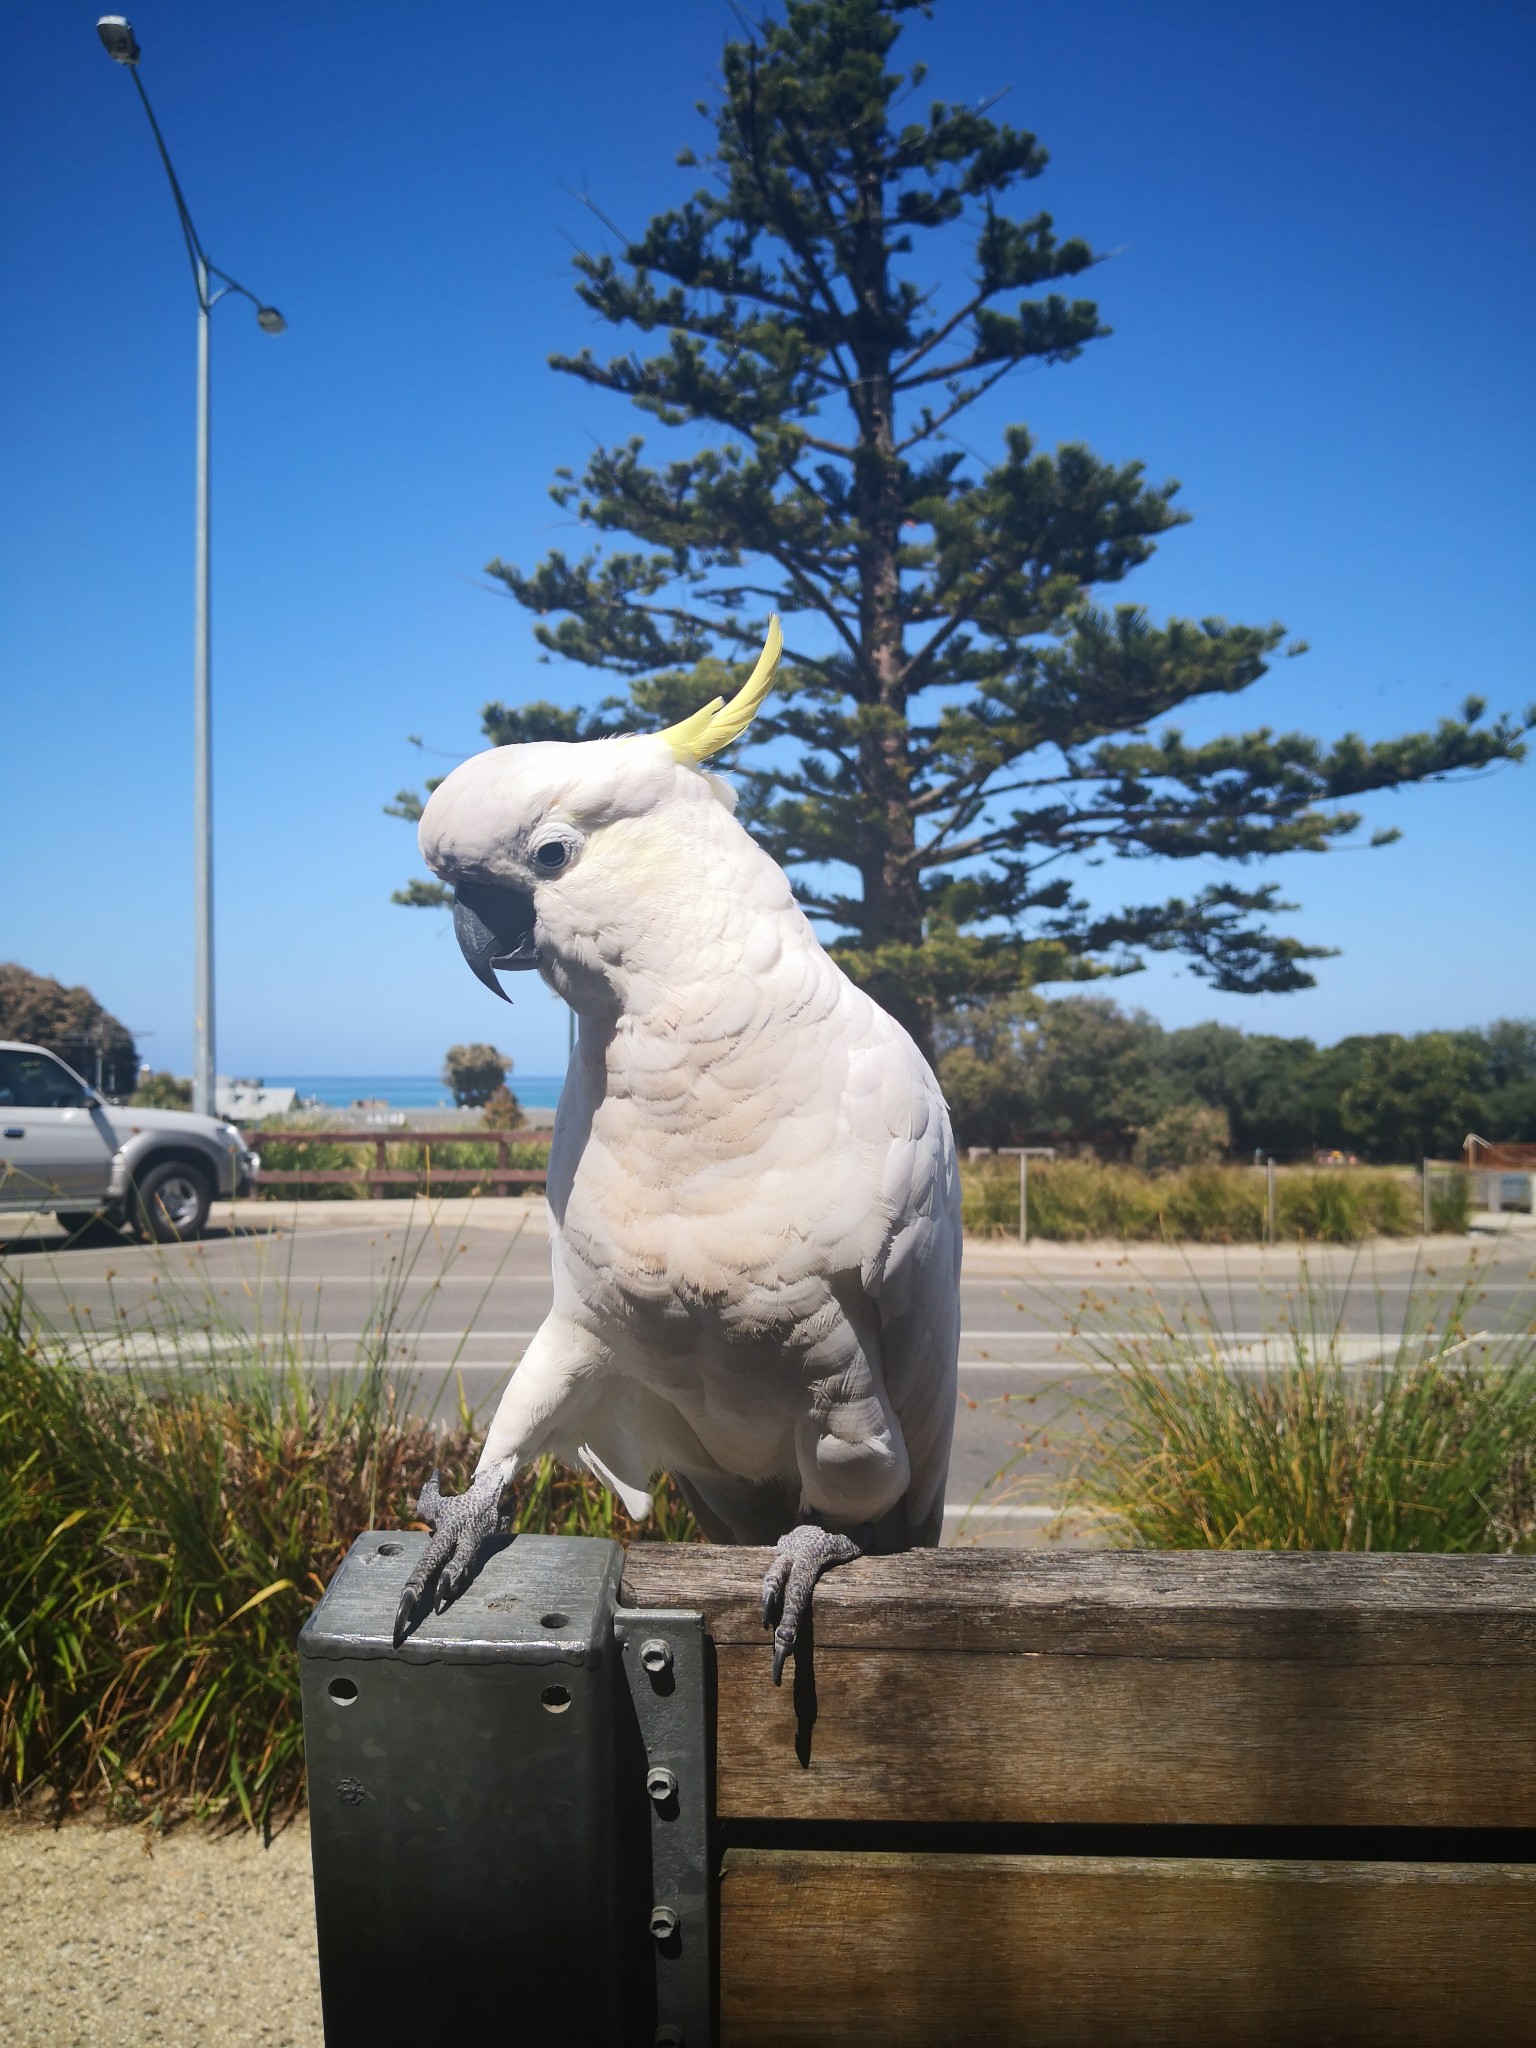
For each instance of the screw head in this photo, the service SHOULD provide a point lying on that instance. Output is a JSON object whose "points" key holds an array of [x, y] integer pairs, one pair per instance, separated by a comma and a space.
{"points": [[668, 2037], [656, 1656], [661, 1784], [664, 1922]]}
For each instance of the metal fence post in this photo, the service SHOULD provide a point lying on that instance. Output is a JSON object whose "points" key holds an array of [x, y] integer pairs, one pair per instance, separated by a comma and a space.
{"points": [[482, 1825], [1024, 1153], [1427, 1207], [1272, 1200]]}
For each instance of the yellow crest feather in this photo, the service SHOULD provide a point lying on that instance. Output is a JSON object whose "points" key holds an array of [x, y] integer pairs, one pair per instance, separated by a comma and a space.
{"points": [[706, 731]]}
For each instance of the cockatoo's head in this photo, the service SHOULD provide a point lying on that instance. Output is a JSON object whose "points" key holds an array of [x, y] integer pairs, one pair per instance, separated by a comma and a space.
{"points": [[555, 850]]}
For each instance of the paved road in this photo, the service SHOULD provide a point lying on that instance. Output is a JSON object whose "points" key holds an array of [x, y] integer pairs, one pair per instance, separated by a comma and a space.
{"points": [[464, 1287]]}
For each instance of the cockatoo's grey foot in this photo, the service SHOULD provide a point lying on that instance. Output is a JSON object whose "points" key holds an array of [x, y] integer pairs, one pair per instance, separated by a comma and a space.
{"points": [[801, 1558], [462, 1524]]}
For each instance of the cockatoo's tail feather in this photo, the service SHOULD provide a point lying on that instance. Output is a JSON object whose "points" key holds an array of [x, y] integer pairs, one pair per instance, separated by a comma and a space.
{"points": [[706, 731]]}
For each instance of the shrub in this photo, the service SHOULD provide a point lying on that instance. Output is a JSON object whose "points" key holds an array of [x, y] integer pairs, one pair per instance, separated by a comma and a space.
{"points": [[1190, 1135], [502, 1111], [280, 1156], [162, 1091], [1430, 1445], [165, 1530], [41, 1011], [1074, 1200], [474, 1073]]}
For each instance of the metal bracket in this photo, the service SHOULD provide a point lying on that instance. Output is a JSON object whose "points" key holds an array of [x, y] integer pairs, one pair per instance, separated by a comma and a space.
{"points": [[663, 1656], [497, 1818]]}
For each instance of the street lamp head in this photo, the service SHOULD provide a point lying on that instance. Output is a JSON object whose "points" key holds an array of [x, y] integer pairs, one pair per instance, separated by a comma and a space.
{"points": [[117, 38], [269, 320]]}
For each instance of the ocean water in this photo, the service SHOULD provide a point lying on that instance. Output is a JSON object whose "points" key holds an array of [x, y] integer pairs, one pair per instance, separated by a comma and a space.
{"points": [[407, 1091]]}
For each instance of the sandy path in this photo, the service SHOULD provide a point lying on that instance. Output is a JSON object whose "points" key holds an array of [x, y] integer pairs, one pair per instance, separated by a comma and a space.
{"points": [[207, 1942]]}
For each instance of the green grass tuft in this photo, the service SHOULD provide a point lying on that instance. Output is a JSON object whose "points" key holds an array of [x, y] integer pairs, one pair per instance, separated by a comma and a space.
{"points": [[1316, 1439]]}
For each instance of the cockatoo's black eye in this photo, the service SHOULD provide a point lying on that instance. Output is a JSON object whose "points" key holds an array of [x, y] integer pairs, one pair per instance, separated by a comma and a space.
{"points": [[552, 856]]}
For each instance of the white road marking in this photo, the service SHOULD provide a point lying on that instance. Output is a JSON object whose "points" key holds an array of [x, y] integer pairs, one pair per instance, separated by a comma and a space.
{"points": [[957, 1509]]}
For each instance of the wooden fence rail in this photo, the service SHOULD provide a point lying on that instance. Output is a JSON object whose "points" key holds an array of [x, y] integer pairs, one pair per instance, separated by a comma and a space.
{"points": [[382, 1176], [1013, 1798], [911, 1843]]}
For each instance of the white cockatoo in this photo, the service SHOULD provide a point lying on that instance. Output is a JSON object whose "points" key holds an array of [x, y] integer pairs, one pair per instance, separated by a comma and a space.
{"points": [[754, 1204]]}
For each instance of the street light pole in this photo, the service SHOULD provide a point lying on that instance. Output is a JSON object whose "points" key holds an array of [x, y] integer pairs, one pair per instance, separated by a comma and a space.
{"points": [[204, 1083], [122, 47]]}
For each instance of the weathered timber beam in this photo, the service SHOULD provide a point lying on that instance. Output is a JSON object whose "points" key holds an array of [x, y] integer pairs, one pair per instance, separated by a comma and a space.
{"points": [[1083, 1602], [821, 1949], [1131, 1688]]}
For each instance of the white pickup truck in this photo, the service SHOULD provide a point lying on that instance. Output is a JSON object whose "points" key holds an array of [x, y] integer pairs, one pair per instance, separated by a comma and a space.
{"points": [[67, 1149]]}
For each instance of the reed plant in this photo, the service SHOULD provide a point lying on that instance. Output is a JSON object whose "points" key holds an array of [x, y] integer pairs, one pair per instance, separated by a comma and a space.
{"points": [[1074, 1200], [174, 1497], [1314, 1438]]}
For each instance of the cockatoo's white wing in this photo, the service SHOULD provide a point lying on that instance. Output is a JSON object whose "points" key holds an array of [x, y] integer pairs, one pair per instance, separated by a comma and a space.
{"points": [[914, 1279]]}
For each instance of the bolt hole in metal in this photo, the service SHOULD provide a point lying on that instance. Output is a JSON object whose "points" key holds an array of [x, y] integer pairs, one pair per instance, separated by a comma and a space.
{"points": [[668, 2037], [556, 1699], [656, 1656], [390, 1549], [342, 1691], [555, 1620], [664, 1922]]}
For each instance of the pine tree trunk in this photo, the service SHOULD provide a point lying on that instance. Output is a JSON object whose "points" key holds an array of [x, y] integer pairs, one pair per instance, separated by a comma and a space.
{"points": [[892, 895]]}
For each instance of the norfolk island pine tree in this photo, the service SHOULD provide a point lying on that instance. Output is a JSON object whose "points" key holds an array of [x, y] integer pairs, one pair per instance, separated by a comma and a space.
{"points": [[966, 721]]}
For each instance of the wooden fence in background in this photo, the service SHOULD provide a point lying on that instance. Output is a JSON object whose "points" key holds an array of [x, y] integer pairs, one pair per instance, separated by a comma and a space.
{"points": [[381, 1177]]}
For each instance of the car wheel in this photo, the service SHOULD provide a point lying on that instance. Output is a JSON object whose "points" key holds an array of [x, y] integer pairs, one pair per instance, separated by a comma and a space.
{"points": [[171, 1202], [87, 1225]]}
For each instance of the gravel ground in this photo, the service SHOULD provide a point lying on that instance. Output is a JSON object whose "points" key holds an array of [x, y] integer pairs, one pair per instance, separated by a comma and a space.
{"points": [[109, 1941]]}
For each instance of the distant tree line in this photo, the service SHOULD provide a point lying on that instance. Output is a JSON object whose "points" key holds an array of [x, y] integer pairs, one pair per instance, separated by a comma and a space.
{"points": [[1085, 1074]]}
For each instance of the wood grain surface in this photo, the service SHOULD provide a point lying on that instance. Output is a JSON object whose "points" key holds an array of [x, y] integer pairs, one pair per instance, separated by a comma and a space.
{"points": [[823, 1949], [945, 1737], [1275, 1689], [1294, 1604]]}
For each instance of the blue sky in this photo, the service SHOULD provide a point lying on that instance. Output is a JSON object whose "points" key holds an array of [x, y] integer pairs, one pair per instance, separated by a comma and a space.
{"points": [[1322, 296]]}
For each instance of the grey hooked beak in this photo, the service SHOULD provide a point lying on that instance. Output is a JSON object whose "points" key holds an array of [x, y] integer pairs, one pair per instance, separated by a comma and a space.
{"points": [[494, 928]]}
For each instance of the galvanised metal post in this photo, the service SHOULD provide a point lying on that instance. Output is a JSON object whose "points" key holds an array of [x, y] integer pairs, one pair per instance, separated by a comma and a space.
{"points": [[510, 1811], [121, 45], [1025, 1153]]}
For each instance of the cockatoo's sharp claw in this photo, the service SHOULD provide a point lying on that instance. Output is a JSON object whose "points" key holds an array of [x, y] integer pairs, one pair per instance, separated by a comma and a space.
{"points": [[783, 1643], [461, 1524], [405, 1614], [800, 1559]]}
